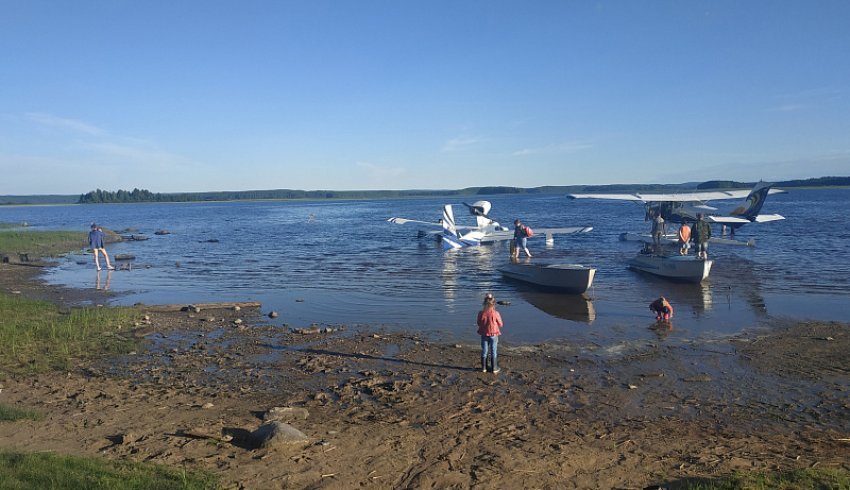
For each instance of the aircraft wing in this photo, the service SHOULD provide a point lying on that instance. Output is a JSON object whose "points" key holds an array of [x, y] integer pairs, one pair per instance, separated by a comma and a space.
{"points": [[562, 231], [674, 197], [616, 197], [727, 220], [401, 221], [547, 232], [764, 218], [430, 224], [730, 220]]}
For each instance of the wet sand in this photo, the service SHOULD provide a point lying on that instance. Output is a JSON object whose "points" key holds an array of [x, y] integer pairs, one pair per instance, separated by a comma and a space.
{"points": [[398, 410]]}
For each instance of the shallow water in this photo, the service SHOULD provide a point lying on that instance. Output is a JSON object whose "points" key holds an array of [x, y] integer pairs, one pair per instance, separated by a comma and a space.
{"points": [[340, 262]]}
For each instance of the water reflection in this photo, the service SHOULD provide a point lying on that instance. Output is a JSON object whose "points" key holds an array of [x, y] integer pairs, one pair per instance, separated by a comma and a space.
{"points": [[577, 308], [662, 329], [740, 277], [448, 277], [476, 263], [485, 256], [698, 297], [104, 286]]}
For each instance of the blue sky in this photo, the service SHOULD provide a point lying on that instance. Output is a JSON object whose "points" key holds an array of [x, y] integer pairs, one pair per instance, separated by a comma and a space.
{"points": [[234, 95]]}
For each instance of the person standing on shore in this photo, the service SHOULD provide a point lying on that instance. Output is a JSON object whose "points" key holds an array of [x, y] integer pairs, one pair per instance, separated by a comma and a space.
{"points": [[489, 328], [520, 242], [96, 243]]}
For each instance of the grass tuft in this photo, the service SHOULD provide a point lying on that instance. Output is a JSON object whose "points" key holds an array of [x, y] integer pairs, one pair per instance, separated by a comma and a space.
{"points": [[10, 414], [803, 479], [40, 243], [36, 337], [25, 471]]}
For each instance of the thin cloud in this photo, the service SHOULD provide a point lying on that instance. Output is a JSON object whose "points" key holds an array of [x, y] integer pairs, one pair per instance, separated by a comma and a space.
{"points": [[804, 99], [73, 125], [813, 93], [460, 144], [98, 143], [572, 147], [129, 152]]}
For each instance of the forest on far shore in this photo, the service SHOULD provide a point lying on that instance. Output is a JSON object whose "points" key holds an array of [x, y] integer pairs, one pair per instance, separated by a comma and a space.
{"points": [[100, 196]]}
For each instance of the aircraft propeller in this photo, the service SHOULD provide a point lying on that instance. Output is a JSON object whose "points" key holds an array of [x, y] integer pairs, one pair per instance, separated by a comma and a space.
{"points": [[477, 210]]}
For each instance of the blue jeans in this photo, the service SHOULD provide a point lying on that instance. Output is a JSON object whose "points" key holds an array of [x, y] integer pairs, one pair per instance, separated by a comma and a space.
{"points": [[490, 344]]}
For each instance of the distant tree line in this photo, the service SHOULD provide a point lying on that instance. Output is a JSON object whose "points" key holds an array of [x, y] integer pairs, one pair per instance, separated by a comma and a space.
{"points": [[816, 182], [136, 195], [143, 195], [39, 199]]}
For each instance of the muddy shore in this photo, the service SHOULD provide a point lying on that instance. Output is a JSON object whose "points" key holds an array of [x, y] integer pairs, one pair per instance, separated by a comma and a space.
{"points": [[398, 410]]}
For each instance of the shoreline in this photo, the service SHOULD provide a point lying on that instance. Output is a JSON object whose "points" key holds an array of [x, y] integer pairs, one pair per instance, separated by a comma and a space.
{"points": [[395, 410], [26, 280]]}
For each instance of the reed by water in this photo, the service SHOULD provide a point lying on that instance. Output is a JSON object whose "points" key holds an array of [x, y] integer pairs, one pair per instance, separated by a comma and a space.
{"points": [[46, 470], [36, 337], [39, 243]]}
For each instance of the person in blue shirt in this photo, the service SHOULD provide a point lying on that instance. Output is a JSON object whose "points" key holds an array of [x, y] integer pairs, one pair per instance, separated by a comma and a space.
{"points": [[520, 240], [97, 247]]}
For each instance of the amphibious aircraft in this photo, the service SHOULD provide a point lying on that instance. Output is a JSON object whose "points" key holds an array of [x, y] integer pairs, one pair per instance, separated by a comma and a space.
{"points": [[683, 207], [485, 230]]}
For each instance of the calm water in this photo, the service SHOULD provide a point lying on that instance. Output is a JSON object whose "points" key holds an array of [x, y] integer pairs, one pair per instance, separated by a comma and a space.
{"points": [[348, 266]]}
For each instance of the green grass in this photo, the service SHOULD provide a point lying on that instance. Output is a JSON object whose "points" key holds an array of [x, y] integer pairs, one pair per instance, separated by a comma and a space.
{"points": [[10, 414], [40, 243], [19, 471], [36, 337], [805, 479]]}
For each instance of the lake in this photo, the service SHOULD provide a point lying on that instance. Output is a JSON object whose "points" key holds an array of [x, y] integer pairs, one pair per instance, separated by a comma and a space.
{"points": [[341, 263]]}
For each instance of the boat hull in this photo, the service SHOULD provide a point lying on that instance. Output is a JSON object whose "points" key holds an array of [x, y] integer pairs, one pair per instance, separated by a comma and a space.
{"points": [[676, 267], [569, 278]]}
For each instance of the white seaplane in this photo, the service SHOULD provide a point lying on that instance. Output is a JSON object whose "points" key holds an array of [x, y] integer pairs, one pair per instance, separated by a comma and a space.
{"points": [[685, 206], [485, 230]]}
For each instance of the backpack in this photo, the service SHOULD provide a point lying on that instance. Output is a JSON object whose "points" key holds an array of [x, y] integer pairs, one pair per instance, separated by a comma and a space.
{"points": [[528, 232]]}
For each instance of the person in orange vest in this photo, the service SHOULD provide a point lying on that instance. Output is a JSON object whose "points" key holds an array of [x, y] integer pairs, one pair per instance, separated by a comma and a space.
{"points": [[684, 239], [662, 308]]}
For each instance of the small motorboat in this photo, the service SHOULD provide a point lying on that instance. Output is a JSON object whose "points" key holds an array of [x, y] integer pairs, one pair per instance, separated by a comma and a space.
{"points": [[683, 268], [570, 278]]}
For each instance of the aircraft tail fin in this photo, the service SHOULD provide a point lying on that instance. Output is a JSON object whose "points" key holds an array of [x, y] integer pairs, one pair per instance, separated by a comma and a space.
{"points": [[449, 220], [751, 206]]}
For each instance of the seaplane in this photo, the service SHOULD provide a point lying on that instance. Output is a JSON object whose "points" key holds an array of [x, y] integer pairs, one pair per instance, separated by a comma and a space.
{"points": [[486, 230], [685, 206]]}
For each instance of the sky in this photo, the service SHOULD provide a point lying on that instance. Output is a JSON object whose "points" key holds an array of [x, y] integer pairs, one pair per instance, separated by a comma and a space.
{"points": [[189, 96]]}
